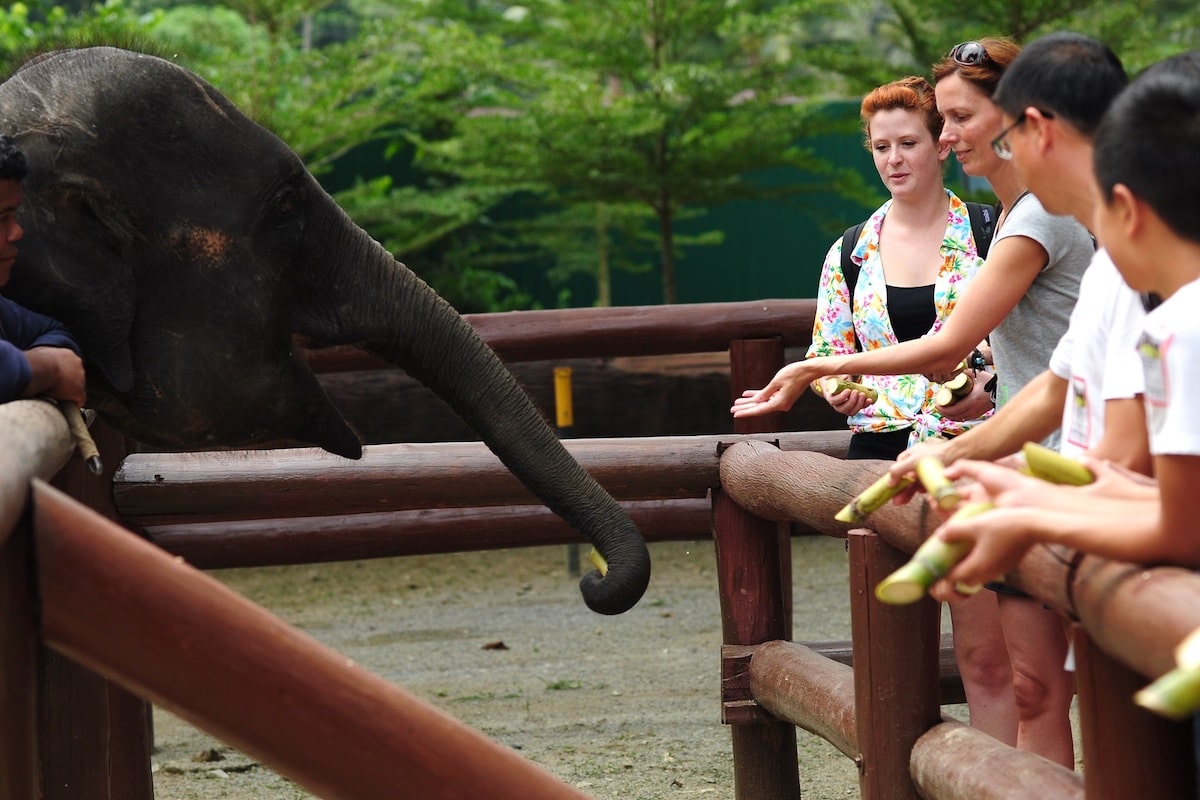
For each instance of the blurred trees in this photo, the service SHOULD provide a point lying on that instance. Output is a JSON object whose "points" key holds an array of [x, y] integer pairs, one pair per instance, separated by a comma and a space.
{"points": [[572, 136]]}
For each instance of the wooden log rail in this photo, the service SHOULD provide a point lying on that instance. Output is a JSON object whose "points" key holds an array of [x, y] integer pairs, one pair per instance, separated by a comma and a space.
{"points": [[1130, 618], [618, 331], [227, 509], [126, 609]]}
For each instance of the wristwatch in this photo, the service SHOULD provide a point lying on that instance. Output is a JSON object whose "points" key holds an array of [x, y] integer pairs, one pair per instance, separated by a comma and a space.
{"points": [[976, 360]]}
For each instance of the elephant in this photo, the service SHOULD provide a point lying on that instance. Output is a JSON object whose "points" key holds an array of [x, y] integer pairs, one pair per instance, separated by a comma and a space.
{"points": [[192, 254]]}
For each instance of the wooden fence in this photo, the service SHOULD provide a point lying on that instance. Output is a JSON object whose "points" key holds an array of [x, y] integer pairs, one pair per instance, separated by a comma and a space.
{"points": [[76, 736]]}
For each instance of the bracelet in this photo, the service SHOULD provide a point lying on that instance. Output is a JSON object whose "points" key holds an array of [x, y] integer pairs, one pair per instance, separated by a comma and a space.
{"points": [[990, 387]]}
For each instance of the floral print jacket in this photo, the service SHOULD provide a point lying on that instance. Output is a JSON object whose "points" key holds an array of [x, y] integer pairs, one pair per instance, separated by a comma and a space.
{"points": [[904, 400]]}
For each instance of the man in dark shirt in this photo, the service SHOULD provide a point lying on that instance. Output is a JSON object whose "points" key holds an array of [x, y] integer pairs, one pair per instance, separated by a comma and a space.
{"points": [[38, 355]]}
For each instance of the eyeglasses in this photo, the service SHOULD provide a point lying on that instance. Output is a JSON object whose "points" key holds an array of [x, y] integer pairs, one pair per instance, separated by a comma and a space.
{"points": [[1001, 146], [969, 54]]}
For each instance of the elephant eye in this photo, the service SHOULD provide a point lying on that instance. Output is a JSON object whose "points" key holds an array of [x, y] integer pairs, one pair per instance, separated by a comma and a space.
{"points": [[286, 203]]}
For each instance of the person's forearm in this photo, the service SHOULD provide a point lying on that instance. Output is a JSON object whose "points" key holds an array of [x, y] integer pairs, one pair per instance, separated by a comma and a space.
{"points": [[1030, 416], [936, 353], [1122, 531]]}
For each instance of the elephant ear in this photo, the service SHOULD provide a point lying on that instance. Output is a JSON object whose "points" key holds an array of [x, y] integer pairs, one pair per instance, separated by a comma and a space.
{"points": [[84, 244]]}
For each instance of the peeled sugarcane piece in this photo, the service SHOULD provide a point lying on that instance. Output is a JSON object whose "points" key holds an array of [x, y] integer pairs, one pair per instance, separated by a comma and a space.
{"points": [[599, 562], [933, 559], [1176, 695], [1187, 652], [1050, 465], [932, 475], [872, 499], [830, 386], [954, 389]]}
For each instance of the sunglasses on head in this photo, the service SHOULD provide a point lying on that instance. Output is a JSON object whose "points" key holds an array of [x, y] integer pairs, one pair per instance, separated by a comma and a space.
{"points": [[969, 54]]}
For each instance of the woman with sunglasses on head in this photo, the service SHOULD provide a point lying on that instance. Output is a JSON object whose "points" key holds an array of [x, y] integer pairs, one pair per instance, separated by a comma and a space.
{"points": [[1021, 299], [914, 256], [901, 277]]}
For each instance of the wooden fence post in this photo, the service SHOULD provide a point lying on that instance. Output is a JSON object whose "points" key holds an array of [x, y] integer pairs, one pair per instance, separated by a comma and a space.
{"points": [[896, 654], [19, 645], [750, 584], [95, 736], [1127, 750], [752, 365]]}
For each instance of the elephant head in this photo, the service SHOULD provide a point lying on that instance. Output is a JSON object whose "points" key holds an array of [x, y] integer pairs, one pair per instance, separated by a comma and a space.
{"points": [[189, 249]]}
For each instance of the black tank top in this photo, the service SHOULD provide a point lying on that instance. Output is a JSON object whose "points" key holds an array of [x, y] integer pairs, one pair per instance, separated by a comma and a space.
{"points": [[911, 309]]}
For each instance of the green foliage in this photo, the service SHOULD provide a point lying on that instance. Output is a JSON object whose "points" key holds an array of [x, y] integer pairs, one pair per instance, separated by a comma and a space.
{"points": [[573, 138]]}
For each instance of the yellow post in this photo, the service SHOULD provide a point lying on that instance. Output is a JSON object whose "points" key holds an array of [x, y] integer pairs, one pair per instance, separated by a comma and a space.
{"points": [[565, 417], [562, 397]]}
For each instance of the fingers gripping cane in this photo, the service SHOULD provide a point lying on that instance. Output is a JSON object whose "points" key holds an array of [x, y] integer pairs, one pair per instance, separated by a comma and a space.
{"points": [[83, 438]]}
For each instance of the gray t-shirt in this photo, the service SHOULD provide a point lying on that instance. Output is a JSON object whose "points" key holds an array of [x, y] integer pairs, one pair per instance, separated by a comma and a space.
{"points": [[1024, 340]]}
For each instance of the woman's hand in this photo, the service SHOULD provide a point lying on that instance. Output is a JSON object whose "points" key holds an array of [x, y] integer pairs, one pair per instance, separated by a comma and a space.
{"points": [[783, 390], [977, 403], [847, 401]]}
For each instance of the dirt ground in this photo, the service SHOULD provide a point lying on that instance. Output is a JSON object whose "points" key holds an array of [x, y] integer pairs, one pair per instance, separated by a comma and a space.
{"points": [[624, 708]]}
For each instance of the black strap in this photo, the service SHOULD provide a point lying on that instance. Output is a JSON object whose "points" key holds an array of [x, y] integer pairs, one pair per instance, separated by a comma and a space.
{"points": [[983, 225]]}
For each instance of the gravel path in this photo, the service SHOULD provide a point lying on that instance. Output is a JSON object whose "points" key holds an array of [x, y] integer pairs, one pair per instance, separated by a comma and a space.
{"points": [[625, 708]]}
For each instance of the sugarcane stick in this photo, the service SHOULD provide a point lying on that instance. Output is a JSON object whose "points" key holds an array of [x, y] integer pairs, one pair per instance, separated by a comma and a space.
{"points": [[84, 444], [1187, 652], [932, 474], [871, 499], [1050, 465], [1176, 694], [599, 562], [828, 386], [933, 559], [954, 389]]}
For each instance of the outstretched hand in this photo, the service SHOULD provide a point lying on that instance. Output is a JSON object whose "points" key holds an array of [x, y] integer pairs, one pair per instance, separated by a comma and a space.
{"points": [[783, 390]]}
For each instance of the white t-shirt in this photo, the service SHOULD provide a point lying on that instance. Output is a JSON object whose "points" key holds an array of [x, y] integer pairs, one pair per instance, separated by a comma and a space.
{"points": [[1170, 349], [1097, 356]]}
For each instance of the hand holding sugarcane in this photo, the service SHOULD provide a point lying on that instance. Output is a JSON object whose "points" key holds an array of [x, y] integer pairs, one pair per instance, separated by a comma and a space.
{"points": [[973, 547]]}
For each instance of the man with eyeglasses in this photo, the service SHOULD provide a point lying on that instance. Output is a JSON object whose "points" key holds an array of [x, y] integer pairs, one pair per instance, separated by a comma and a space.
{"points": [[1053, 97]]}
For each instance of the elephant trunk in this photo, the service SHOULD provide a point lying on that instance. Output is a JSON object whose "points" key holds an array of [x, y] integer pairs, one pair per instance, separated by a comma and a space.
{"points": [[399, 318]]}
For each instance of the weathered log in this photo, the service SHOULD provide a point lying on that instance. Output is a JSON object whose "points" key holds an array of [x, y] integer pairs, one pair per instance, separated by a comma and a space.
{"points": [[34, 443], [306, 540], [160, 488], [170, 633], [953, 761], [800, 686], [811, 487]]}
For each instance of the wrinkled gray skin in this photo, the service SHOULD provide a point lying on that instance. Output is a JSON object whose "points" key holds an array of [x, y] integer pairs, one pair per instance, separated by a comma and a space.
{"points": [[186, 247]]}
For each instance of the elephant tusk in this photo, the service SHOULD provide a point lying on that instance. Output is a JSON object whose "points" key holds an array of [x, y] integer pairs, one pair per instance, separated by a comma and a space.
{"points": [[598, 561]]}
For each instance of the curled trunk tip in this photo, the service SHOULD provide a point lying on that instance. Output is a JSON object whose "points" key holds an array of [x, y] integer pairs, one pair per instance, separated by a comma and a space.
{"points": [[624, 584]]}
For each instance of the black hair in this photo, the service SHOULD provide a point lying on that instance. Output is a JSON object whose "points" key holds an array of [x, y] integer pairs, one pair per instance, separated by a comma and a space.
{"points": [[1068, 74], [1150, 142], [12, 160]]}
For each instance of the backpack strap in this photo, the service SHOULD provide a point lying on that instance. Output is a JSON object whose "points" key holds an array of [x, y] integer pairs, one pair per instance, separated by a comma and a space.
{"points": [[850, 267], [983, 225]]}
